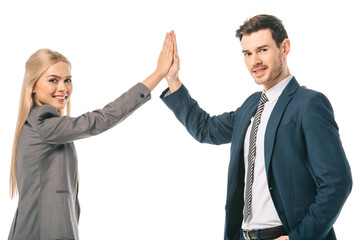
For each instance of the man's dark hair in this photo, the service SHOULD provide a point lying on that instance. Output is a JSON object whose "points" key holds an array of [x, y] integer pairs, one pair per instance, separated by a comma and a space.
{"points": [[261, 22]]}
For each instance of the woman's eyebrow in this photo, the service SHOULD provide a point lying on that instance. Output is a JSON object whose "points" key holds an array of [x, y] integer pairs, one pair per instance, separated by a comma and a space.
{"points": [[56, 76]]}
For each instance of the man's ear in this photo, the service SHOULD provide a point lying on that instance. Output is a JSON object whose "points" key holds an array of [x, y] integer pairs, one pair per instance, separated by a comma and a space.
{"points": [[285, 47]]}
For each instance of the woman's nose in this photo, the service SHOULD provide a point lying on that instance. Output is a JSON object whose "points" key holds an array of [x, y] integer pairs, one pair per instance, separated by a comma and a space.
{"points": [[62, 86]]}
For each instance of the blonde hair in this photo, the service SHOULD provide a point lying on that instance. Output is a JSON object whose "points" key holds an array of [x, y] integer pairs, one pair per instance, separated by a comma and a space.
{"points": [[36, 65]]}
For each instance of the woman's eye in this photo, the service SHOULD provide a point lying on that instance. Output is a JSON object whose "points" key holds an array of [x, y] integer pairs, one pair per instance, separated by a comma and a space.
{"points": [[53, 80]]}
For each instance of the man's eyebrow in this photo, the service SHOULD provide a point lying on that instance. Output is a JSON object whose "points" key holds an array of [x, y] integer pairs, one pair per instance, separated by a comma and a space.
{"points": [[263, 46], [260, 47]]}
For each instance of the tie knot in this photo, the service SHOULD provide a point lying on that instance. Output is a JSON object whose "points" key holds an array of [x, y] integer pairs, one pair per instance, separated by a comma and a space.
{"points": [[263, 98]]}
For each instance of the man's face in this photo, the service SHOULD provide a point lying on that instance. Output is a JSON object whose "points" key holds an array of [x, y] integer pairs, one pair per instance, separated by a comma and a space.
{"points": [[265, 61]]}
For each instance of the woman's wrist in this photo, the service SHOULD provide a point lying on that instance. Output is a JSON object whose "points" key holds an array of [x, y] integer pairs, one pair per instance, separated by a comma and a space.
{"points": [[153, 80], [160, 73]]}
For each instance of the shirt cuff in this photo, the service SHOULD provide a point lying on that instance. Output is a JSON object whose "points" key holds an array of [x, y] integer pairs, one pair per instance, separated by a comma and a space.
{"points": [[165, 93]]}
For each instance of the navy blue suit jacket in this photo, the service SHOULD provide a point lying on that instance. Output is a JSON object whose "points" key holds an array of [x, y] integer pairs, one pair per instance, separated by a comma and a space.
{"points": [[308, 175]]}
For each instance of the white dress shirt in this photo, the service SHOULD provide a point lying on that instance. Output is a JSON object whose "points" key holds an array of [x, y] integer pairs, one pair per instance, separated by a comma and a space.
{"points": [[264, 214]]}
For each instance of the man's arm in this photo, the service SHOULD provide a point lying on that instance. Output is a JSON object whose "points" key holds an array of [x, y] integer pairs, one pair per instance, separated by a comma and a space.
{"points": [[329, 166], [203, 127], [173, 75]]}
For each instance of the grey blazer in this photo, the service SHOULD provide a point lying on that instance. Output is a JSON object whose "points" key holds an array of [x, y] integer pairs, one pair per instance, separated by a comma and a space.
{"points": [[48, 207]]}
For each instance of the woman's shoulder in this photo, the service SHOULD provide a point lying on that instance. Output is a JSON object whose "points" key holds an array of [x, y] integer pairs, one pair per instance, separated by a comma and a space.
{"points": [[40, 113]]}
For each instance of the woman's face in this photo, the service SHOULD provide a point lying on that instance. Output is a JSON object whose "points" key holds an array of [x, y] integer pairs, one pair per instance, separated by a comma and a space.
{"points": [[54, 87]]}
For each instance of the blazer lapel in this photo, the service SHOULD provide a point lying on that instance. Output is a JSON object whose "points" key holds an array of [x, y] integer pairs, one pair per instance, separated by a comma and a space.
{"points": [[243, 120], [275, 118], [244, 124], [241, 125]]}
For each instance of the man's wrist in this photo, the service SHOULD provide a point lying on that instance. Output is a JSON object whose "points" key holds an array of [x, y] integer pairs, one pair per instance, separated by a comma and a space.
{"points": [[174, 85]]}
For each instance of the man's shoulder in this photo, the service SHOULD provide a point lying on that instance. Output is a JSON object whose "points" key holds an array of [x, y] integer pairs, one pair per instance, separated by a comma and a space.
{"points": [[310, 99], [307, 93]]}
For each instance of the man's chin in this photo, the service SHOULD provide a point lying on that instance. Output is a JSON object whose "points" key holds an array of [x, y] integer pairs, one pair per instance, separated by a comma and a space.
{"points": [[259, 81]]}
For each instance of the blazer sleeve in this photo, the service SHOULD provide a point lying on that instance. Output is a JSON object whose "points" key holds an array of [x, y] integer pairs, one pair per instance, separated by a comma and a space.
{"points": [[55, 129], [203, 127], [329, 167]]}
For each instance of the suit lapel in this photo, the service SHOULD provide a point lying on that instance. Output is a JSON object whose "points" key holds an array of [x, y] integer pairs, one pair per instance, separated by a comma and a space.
{"points": [[275, 119], [243, 120], [241, 125], [244, 124]]}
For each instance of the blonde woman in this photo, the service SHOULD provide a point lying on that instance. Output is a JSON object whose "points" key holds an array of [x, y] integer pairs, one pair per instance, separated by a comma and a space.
{"points": [[44, 163]]}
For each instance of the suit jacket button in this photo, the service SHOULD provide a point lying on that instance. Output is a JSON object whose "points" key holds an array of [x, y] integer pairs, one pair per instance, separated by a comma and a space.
{"points": [[142, 95]]}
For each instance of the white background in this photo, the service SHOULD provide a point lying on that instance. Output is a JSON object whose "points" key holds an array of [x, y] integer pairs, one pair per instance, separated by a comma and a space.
{"points": [[147, 178]]}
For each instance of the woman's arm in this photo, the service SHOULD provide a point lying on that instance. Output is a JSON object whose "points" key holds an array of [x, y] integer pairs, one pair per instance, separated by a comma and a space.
{"points": [[55, 129]]}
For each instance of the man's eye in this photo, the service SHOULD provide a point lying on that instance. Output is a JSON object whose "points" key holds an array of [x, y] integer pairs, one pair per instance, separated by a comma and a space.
{"points": [[247, 54], [68, 80], [263, 50]]}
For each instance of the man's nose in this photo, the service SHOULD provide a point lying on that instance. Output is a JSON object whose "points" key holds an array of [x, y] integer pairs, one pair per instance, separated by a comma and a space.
{"points": [[255, 60]]}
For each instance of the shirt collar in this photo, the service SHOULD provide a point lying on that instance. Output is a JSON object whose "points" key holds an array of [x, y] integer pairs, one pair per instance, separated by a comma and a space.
{"points": [[275, 91]]}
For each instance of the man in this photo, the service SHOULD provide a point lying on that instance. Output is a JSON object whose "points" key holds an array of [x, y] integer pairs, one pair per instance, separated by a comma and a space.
{"points": [[288, 174]]}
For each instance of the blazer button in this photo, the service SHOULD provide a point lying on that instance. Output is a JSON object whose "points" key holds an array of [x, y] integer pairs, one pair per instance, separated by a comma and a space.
{"points": [[142, 95]]}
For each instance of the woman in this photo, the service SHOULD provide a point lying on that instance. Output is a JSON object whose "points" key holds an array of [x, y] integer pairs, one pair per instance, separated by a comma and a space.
{"points": [[44, 162]]}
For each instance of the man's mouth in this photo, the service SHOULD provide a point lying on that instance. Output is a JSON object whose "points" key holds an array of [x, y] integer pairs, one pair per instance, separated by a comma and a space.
{"points": [[259, 70]]}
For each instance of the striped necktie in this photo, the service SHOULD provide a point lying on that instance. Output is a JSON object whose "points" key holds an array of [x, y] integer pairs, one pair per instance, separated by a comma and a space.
{"points": [[251, 158]]}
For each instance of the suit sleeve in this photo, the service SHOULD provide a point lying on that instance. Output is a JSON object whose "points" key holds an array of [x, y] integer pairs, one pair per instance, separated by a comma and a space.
{"points": [[329, 167], [55, 129], [203, 127]]}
